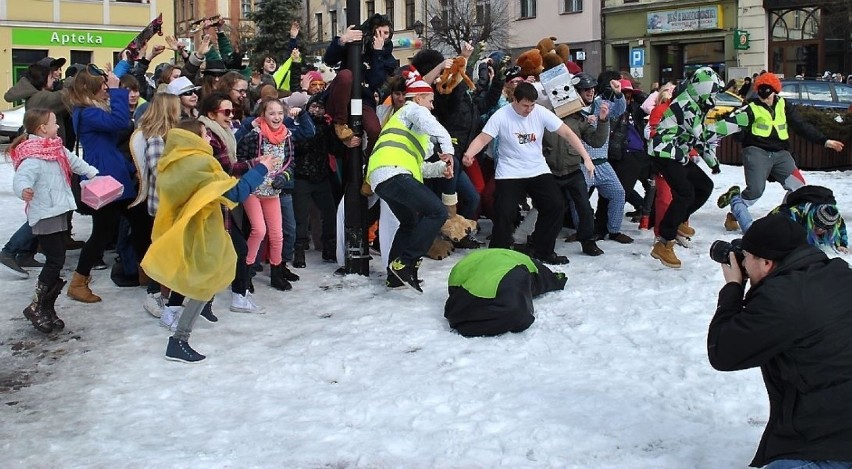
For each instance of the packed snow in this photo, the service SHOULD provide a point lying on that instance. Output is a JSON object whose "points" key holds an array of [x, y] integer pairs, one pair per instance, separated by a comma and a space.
{"points": [[341, 372]]}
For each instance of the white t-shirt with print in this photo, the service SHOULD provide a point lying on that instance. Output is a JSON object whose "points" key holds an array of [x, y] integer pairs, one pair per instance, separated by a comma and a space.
{"points": [[520, 141]]}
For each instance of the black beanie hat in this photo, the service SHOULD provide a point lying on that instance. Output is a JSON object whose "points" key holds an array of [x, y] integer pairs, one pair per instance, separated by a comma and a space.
{"points": [[773, 237]]}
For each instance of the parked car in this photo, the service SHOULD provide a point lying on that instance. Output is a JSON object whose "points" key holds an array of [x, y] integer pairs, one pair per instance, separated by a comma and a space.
{"points": [[822, 94], [725, 103], [12, 121]]}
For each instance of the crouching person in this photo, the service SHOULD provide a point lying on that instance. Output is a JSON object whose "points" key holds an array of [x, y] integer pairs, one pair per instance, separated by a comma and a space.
{"points": [[491, 292], [191, 251], [396, 171]]}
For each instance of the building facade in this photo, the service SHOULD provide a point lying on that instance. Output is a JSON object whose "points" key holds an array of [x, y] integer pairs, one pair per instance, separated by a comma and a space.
{"points": [[573, 22], [81, 31], [239, 28]]}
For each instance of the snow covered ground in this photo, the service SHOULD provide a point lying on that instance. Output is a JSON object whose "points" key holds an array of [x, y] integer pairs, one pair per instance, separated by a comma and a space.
{"points": [[342, 373]]}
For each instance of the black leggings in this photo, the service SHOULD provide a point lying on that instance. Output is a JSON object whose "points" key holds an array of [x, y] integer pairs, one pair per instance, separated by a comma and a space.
{"points": [[104, 226], [53, 247]]}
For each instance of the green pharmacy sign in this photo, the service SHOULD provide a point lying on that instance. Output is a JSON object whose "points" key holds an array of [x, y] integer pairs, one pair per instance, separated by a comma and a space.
{"points": [[71, 38]]}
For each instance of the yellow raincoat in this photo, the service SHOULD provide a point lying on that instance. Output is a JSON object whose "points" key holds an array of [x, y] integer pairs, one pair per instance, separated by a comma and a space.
{"points": [[191, 252]]}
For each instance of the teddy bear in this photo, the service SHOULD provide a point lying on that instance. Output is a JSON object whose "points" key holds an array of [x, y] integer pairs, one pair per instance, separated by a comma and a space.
{"points": [[531, 63], [451, 77], [564, 53], [440, 249], [457, 227], [546, 45]]}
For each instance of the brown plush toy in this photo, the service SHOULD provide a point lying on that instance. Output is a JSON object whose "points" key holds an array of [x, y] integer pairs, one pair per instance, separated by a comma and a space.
{"points": [[546, 45], [564, 53], [451, 77], [552, 59], [457, 227], [531, 63], [440, 249]]}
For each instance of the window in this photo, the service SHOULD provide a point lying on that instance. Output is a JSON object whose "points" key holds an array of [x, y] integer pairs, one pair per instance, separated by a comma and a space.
{"points": [[389, 12], [409, 14], [817, 92], [571, 6], [483, 12], [80, 57], [789, 91], [528, 8], [320, 34], [371, 9], [332, 18], [844, 93], [245, 8]]}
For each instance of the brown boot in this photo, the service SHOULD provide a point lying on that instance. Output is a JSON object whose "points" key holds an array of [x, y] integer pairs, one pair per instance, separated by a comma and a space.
{"points": [[79, 290], [664, 251], [731, 223], [685, 230]]}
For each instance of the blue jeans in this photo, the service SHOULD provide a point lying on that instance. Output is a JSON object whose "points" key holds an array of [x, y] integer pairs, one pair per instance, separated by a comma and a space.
{"points": [[288, 219], [23, 242], [468, 197], [420, 212], [802, 464]]}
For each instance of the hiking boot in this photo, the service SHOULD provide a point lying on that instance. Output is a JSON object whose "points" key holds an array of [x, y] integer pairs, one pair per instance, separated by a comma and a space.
{"points": [[276, 278], [406, 274], [244, 304], [731, 223], [590, 247], [207, 312], [180, 351], [685, 230], [80, 291], [154, 304], [288, 274], [620, 238], [49, 304], [553, 258], [664, 251], [11, 265], [343, 131], [28, 261], [725, 199], [35, 311], [299, 258]]}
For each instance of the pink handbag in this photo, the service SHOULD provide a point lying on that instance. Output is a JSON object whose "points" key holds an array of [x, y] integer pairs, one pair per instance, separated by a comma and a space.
{"points": [[100, 191]]}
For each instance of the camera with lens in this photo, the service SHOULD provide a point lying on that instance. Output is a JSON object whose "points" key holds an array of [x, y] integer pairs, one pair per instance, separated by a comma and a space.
{"points": [[720, 251]]}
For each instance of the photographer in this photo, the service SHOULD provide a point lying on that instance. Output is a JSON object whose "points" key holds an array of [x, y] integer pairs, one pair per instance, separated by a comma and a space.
{"points": [[794, 323]]}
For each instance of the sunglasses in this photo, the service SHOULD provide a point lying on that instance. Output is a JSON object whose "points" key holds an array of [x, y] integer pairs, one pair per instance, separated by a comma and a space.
{"points": [[189, 93], [94, 70], [225, 112]]}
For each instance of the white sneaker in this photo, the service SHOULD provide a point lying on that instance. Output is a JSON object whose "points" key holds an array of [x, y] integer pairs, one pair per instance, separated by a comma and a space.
{"points": [[684, 241], [154, 304], [244, 304], [171, 317]]}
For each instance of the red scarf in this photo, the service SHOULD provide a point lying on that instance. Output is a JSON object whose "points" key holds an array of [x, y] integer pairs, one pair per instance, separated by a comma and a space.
{"points": [[275, 137], [48, 149]]}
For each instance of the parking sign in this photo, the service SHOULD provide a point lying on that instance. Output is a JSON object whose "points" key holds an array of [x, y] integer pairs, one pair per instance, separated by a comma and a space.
{"points": [[637, 57]]}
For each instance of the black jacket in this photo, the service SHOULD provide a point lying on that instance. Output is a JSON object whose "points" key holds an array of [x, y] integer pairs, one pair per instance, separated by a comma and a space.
{"points": [[796, 326], [459, 112]]}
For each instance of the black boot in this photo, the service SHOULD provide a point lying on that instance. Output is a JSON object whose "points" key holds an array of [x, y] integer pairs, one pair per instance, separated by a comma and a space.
{"points": [[277, 279], [329, 255], [299, 257], [288, 274], [34, 311], [49, 304]]}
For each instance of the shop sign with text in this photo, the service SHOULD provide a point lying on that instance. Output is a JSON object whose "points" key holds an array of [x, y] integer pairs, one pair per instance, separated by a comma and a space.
{"points": [[70, 37], [685, 19]]}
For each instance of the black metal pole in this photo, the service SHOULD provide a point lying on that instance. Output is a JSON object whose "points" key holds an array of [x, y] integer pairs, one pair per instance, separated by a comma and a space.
{"points": [[354, 204]]}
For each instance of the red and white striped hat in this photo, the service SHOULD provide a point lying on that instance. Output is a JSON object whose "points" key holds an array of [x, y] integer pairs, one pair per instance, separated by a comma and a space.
{"points": [[415, 85]]}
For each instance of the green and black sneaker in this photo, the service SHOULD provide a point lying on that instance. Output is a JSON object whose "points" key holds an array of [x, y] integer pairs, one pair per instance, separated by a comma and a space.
{"points": [[725, 199]]}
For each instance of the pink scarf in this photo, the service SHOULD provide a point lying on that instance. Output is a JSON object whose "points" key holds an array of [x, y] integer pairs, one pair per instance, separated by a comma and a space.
{"points": [[48, 149], [275, 137]]}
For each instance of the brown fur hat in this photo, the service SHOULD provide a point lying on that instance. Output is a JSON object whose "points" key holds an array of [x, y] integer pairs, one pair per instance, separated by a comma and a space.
{"points": [[531, 63]]}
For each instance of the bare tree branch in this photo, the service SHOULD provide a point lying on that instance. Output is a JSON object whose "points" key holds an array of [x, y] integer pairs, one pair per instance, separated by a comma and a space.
{"points": [[473, 21]]}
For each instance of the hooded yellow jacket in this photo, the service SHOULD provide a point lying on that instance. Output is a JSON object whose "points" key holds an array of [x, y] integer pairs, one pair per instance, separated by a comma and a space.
{"points": [[191, 252]]}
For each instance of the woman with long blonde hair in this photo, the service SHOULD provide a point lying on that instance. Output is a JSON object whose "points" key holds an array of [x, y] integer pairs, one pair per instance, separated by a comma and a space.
{"points": [[100, 113]]}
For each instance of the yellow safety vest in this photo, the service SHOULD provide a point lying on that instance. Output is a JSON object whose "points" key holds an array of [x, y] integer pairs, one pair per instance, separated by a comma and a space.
{"points": [[764, 123], [397, 145]]}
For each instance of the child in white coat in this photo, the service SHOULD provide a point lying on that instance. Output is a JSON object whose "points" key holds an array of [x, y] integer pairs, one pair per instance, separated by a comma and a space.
{"points": [[43, 170]]}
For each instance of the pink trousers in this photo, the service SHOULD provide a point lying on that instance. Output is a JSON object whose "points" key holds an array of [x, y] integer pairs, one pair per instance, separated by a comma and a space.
{"points": [[264, 213]]}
